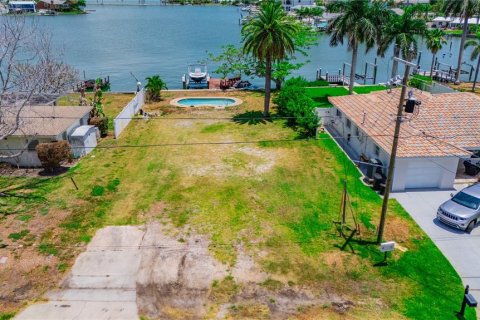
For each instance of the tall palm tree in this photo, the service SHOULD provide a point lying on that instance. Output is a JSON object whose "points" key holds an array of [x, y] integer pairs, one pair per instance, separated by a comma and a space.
{"points": [[465, 9], [475, 55], [402, 31], [359, 22], [269, 37], [435, 39]]}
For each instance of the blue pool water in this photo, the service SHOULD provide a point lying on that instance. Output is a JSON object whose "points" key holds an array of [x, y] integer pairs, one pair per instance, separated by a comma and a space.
{"points": [[217, 102]]}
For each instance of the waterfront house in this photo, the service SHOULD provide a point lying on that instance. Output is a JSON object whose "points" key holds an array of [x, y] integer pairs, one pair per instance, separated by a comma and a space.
{"points": [[289, 4], [19, 7], [55, 5], [44, 124], [434, 141]]}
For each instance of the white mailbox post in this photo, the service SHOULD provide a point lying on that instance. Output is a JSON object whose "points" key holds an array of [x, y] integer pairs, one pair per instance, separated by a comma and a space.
{"points": [[386, 247]]}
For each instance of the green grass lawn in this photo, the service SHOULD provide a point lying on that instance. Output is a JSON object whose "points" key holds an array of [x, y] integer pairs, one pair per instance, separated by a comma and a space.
{"points": [[320, 95], [277, 199], [368, 89]]}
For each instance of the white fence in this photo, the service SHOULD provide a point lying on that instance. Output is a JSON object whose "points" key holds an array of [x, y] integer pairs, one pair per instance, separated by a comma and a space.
{"points": [[124, 117]]}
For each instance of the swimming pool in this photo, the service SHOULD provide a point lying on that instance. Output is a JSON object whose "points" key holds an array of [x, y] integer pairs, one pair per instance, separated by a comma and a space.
{"points": [[217, 102]]}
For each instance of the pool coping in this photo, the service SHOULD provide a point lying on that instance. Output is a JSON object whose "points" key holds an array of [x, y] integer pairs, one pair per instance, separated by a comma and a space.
{"points": [[237, 102]]}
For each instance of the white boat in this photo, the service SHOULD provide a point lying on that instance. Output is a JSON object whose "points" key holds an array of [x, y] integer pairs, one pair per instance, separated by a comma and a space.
{"points": [[197, 72]]}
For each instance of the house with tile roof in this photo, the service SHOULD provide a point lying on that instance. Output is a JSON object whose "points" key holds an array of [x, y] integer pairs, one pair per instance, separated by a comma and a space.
{"points": [[442, 132], [40, 124]]}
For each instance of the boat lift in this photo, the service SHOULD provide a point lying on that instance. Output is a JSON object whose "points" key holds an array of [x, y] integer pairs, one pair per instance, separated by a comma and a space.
{"points": [[344, 79], [196, 77]]}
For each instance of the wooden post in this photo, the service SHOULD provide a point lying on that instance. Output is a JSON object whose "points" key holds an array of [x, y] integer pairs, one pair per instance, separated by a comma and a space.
{"points": [[393, 154], [365, 74]]}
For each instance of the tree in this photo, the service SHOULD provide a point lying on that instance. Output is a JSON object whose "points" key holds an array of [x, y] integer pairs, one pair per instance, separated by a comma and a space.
{"points": [[421, 9], [154, 87], [402, 31], [475, 55], [232, 61], [29, 66], [435, 39], [465, 9], [269, 37], [358, 22], [293, 102], [306, 12]]}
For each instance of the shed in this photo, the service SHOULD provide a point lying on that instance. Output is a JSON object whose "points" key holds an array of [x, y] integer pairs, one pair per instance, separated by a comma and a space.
{"points": [[83, 140]]}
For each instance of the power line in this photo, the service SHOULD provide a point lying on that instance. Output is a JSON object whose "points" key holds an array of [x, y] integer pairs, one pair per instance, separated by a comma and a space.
{"points": [[158, 145]]}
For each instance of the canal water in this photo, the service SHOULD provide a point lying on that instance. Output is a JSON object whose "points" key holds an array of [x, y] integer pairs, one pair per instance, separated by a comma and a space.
{"points": [[114, 40]]}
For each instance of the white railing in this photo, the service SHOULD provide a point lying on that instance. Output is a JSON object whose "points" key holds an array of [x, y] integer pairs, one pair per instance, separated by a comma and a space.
{"points": [[124, 117]]}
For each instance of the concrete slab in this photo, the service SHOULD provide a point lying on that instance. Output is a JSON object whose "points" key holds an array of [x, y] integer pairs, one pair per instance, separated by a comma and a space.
{"points": [[460, 248], [102, 283], [80, 310]]}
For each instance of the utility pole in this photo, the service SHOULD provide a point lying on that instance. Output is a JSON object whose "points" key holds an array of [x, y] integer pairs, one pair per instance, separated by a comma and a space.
{"points": [[393, 154]]}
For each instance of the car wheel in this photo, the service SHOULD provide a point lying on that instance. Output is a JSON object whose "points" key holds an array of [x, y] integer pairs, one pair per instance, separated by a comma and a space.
{"points": [[470, 226]]}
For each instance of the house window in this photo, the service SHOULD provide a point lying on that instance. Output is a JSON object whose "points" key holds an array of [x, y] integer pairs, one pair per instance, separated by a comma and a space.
{"points": [[339, 113], [32, 145], [64, 135], [377, 150], [349, 123], [357, 133]]}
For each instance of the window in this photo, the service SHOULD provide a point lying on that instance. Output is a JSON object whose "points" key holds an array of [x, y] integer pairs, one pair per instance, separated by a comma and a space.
{"points": [[339, 113], [349, 123], [32, 145], [377, 150], [357, 133]]}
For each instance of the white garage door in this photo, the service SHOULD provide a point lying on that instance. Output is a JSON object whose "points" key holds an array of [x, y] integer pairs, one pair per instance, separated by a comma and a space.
{"points": [[423, 173]]}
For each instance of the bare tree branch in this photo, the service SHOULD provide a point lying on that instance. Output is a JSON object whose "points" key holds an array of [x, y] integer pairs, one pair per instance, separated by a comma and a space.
{"points": [[29, 65]]}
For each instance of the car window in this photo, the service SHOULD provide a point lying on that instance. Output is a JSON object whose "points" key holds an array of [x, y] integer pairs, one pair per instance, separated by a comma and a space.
{"points": [[467, 200]]}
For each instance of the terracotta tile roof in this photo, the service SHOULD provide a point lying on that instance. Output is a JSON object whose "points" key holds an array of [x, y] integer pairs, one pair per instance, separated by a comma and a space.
{"points": [[446, 123], [45, 120]]}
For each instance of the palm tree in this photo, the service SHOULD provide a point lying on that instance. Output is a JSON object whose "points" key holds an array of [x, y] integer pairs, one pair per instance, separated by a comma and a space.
{"points": [[475, 55], [154, 86], [269, 37], [359, 22], [435, 39], [465, 9], [402, 31]]}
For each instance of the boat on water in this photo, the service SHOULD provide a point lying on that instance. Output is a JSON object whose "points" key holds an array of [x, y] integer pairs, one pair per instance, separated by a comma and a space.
{"points": [[46, 12], [197, 72], [196, 77]]}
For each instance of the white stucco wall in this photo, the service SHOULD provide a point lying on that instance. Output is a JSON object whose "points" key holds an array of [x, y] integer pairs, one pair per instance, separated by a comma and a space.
{"points": [[445, 167], [361, 144], [29, 159]]}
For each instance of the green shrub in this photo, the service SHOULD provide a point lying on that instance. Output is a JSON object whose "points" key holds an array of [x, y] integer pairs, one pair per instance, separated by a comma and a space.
{"points": [[420, 82], [101, 123], [293, 101], [52, 154]]}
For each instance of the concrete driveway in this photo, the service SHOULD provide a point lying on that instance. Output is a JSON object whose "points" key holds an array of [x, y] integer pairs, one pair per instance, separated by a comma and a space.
{"points": [[460, 248]]}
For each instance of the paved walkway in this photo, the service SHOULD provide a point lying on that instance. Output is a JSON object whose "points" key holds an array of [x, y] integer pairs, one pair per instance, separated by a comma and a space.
{"points": [[460, 248], [102, 284]]}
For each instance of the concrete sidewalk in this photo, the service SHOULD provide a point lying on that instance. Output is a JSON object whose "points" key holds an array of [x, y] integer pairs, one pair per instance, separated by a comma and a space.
{"points": [[102, 283], [460, 248]]}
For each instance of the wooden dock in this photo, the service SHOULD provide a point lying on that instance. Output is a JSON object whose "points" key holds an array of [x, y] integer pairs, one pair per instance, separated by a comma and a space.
{"points": [[335, 79], [214, 83]]}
